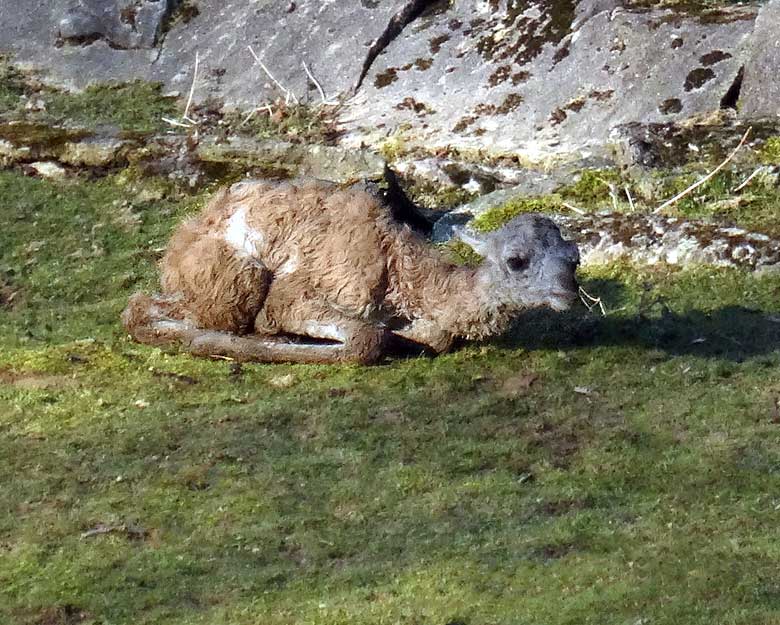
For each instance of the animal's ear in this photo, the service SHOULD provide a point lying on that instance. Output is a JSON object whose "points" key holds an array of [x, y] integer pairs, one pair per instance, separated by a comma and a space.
{"points": [[479, 243]]}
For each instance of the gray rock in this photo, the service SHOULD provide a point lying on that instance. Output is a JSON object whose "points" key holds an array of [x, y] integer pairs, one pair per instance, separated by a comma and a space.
{"points": [[761, 87], [48, 169], [543, 82], [22, 142], [650, 239], [315, 161], [586, 9], [95, 152], [125, 24], [525, 82], [484, 178], [333, 38]]}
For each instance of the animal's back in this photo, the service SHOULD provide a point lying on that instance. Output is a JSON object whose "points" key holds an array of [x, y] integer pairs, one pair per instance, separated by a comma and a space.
{"points": [[314, 237]]}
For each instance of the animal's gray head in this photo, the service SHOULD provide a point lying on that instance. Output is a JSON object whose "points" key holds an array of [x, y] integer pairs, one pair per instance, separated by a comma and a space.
{"points": [[528, 263]]}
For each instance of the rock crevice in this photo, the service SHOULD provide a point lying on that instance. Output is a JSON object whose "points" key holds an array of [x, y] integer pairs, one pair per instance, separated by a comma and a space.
{"points": [[408, 13]]}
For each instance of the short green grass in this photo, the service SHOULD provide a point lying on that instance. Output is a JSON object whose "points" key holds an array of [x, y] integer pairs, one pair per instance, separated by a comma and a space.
{"points": [[609, 470]]}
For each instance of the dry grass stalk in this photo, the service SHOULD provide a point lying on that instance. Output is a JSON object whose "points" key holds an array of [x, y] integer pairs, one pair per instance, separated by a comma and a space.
{"points": [[591, 302], [706, 178], [186, 121], [288, 95], [630, 199], [749, 179], [325, 101]]}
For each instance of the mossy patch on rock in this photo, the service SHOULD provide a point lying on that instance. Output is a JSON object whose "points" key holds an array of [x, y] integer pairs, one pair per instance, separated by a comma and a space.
{"points": [[497, 217], [298, 123], [593, 188], [769, 153], [135, 107], [461, 253], [12, 85]]}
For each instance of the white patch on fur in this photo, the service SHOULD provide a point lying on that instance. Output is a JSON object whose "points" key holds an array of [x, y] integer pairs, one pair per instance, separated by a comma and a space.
{"points": [[288, 266], [323, 331], [238, 234], [170, 324]]}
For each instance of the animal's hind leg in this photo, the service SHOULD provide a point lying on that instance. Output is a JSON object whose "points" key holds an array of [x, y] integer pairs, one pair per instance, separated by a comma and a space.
{"points": [[339, 339], [207, 286], [221, 289], [363, 346], [161, 321], [157, 320]]}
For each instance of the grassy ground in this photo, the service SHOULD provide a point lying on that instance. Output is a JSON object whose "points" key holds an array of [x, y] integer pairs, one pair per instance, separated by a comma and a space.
{"points": [[582, 470]]}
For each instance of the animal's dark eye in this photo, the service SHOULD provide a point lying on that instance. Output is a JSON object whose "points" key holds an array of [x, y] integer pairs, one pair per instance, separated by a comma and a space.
{"points": [[518, 263]]}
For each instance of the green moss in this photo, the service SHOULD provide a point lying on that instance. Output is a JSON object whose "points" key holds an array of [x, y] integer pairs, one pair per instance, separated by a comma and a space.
{"points": [[498, 216], [38, 134], [11, 86], [592, 189], [133, 107], [136, 107], [394, 147], [462, 254], [769, 154]]}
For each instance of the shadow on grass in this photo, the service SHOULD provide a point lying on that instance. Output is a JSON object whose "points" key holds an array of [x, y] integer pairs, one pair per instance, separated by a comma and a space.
{"points": [[732, 333]]}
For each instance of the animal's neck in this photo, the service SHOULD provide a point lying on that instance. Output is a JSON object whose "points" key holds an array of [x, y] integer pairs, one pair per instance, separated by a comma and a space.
{"points": [[459, 300], [475, 310]]}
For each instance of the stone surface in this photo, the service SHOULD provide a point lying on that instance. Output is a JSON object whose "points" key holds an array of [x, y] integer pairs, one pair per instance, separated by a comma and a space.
{"points": [[652, 239], [545, 82], [28, 142], [649, 239], [122, 24], [48, 169], [761, 86], [94, 152], [484, 178], [333, 38], [315, 161], [525, 81]]}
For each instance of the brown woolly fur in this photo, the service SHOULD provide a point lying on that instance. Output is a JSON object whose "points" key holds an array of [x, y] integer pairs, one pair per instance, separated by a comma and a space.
{"points": [[268, 260]]}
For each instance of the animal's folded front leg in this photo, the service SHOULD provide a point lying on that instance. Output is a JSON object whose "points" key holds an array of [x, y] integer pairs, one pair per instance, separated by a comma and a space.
{"points": [[261, 348], [426, 333]]}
